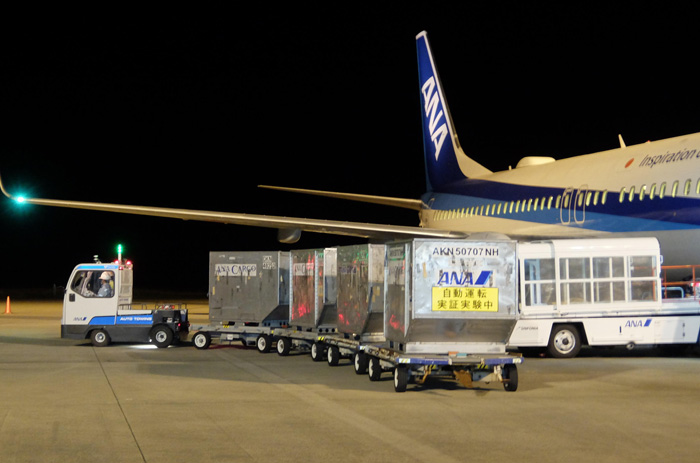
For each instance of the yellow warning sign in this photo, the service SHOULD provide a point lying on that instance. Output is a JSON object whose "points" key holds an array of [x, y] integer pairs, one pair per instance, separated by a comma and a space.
{"points": [[461, 299]]}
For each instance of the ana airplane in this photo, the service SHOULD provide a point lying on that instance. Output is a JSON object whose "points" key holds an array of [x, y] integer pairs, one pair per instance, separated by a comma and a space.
{"points": [[652, 189]]}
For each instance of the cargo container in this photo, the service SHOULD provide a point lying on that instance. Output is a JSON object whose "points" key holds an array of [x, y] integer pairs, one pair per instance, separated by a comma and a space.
{"points": [[248, 298], [312, 302], [360, 304], [449, 309]]}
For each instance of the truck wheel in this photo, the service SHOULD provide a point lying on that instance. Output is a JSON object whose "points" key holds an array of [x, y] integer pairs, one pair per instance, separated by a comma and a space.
{"points": [[317, 352], [360, 362], [162, 336], [201, 340], [375, 369], [510, 376], [100, 338], [400, 379], [333, 355], [263, 344], [564, 342], [284, 345]]}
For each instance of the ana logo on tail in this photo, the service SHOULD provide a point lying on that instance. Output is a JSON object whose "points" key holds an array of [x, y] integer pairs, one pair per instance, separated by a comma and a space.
{"points": [[432, 106]]}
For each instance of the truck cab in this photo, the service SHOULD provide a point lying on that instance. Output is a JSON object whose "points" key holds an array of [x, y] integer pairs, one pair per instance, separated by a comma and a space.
{"points": [[98, 305]]}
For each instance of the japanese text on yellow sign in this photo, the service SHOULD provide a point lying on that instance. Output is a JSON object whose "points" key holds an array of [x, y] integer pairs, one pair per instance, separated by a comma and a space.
{"points": [[460, 299]]}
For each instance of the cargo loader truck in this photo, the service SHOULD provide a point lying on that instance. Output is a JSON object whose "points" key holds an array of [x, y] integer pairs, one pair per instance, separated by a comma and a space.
{"points": [[98, 306]]}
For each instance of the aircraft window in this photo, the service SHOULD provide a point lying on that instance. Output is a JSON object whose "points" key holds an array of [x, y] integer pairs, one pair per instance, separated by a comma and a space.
{"points": [[652, 193], [688, 184], [580, 198], [631, 196], [595, 198], [642, 192], [535, 203], [549, 203], [488, 206], [566, 201], [517, 206], [675, 189], [510, 208], [558, 201], [622, 194], [697, 188], [662, 191], [589, 195], [604, 198], [500, 205]]}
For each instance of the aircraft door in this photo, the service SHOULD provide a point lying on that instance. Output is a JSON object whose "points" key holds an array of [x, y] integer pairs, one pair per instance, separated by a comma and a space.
{"points": [[579, 204], [573, 205], [565, 206]]}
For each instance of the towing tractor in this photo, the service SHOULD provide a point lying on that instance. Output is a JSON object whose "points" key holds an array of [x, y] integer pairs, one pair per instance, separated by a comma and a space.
{"points": [[97, 305]]}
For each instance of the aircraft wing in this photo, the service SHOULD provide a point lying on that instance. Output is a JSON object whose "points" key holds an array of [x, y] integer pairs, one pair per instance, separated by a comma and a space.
{"points": [[289, 227]]}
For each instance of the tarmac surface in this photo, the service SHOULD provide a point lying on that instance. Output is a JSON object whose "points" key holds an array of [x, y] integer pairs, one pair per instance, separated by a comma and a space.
{"points": [[67, 401]]}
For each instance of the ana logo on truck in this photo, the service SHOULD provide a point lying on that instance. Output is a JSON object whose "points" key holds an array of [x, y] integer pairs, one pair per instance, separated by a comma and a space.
{"points": [[638, 323]]}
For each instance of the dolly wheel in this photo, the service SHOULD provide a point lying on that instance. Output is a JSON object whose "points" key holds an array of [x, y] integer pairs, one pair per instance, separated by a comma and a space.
{"points": [[510, 378], [333, 355], [263, 344], [360, 362], [400, 379], [375, 369], [201, 340], [284, 345]]}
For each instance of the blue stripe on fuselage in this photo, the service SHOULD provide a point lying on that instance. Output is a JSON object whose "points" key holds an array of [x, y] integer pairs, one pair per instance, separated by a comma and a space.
{"points": [[613, 216]]}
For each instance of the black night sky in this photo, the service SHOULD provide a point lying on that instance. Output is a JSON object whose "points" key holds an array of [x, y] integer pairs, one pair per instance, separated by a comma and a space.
{"points": [[195, 110]]}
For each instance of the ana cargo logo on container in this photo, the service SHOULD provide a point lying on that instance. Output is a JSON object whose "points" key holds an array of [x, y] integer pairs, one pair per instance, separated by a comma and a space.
{"points": [[452, 278], [233, 270]]}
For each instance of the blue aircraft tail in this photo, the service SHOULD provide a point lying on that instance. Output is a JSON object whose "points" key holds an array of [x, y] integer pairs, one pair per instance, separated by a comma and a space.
{"points": [[445, 161]]}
